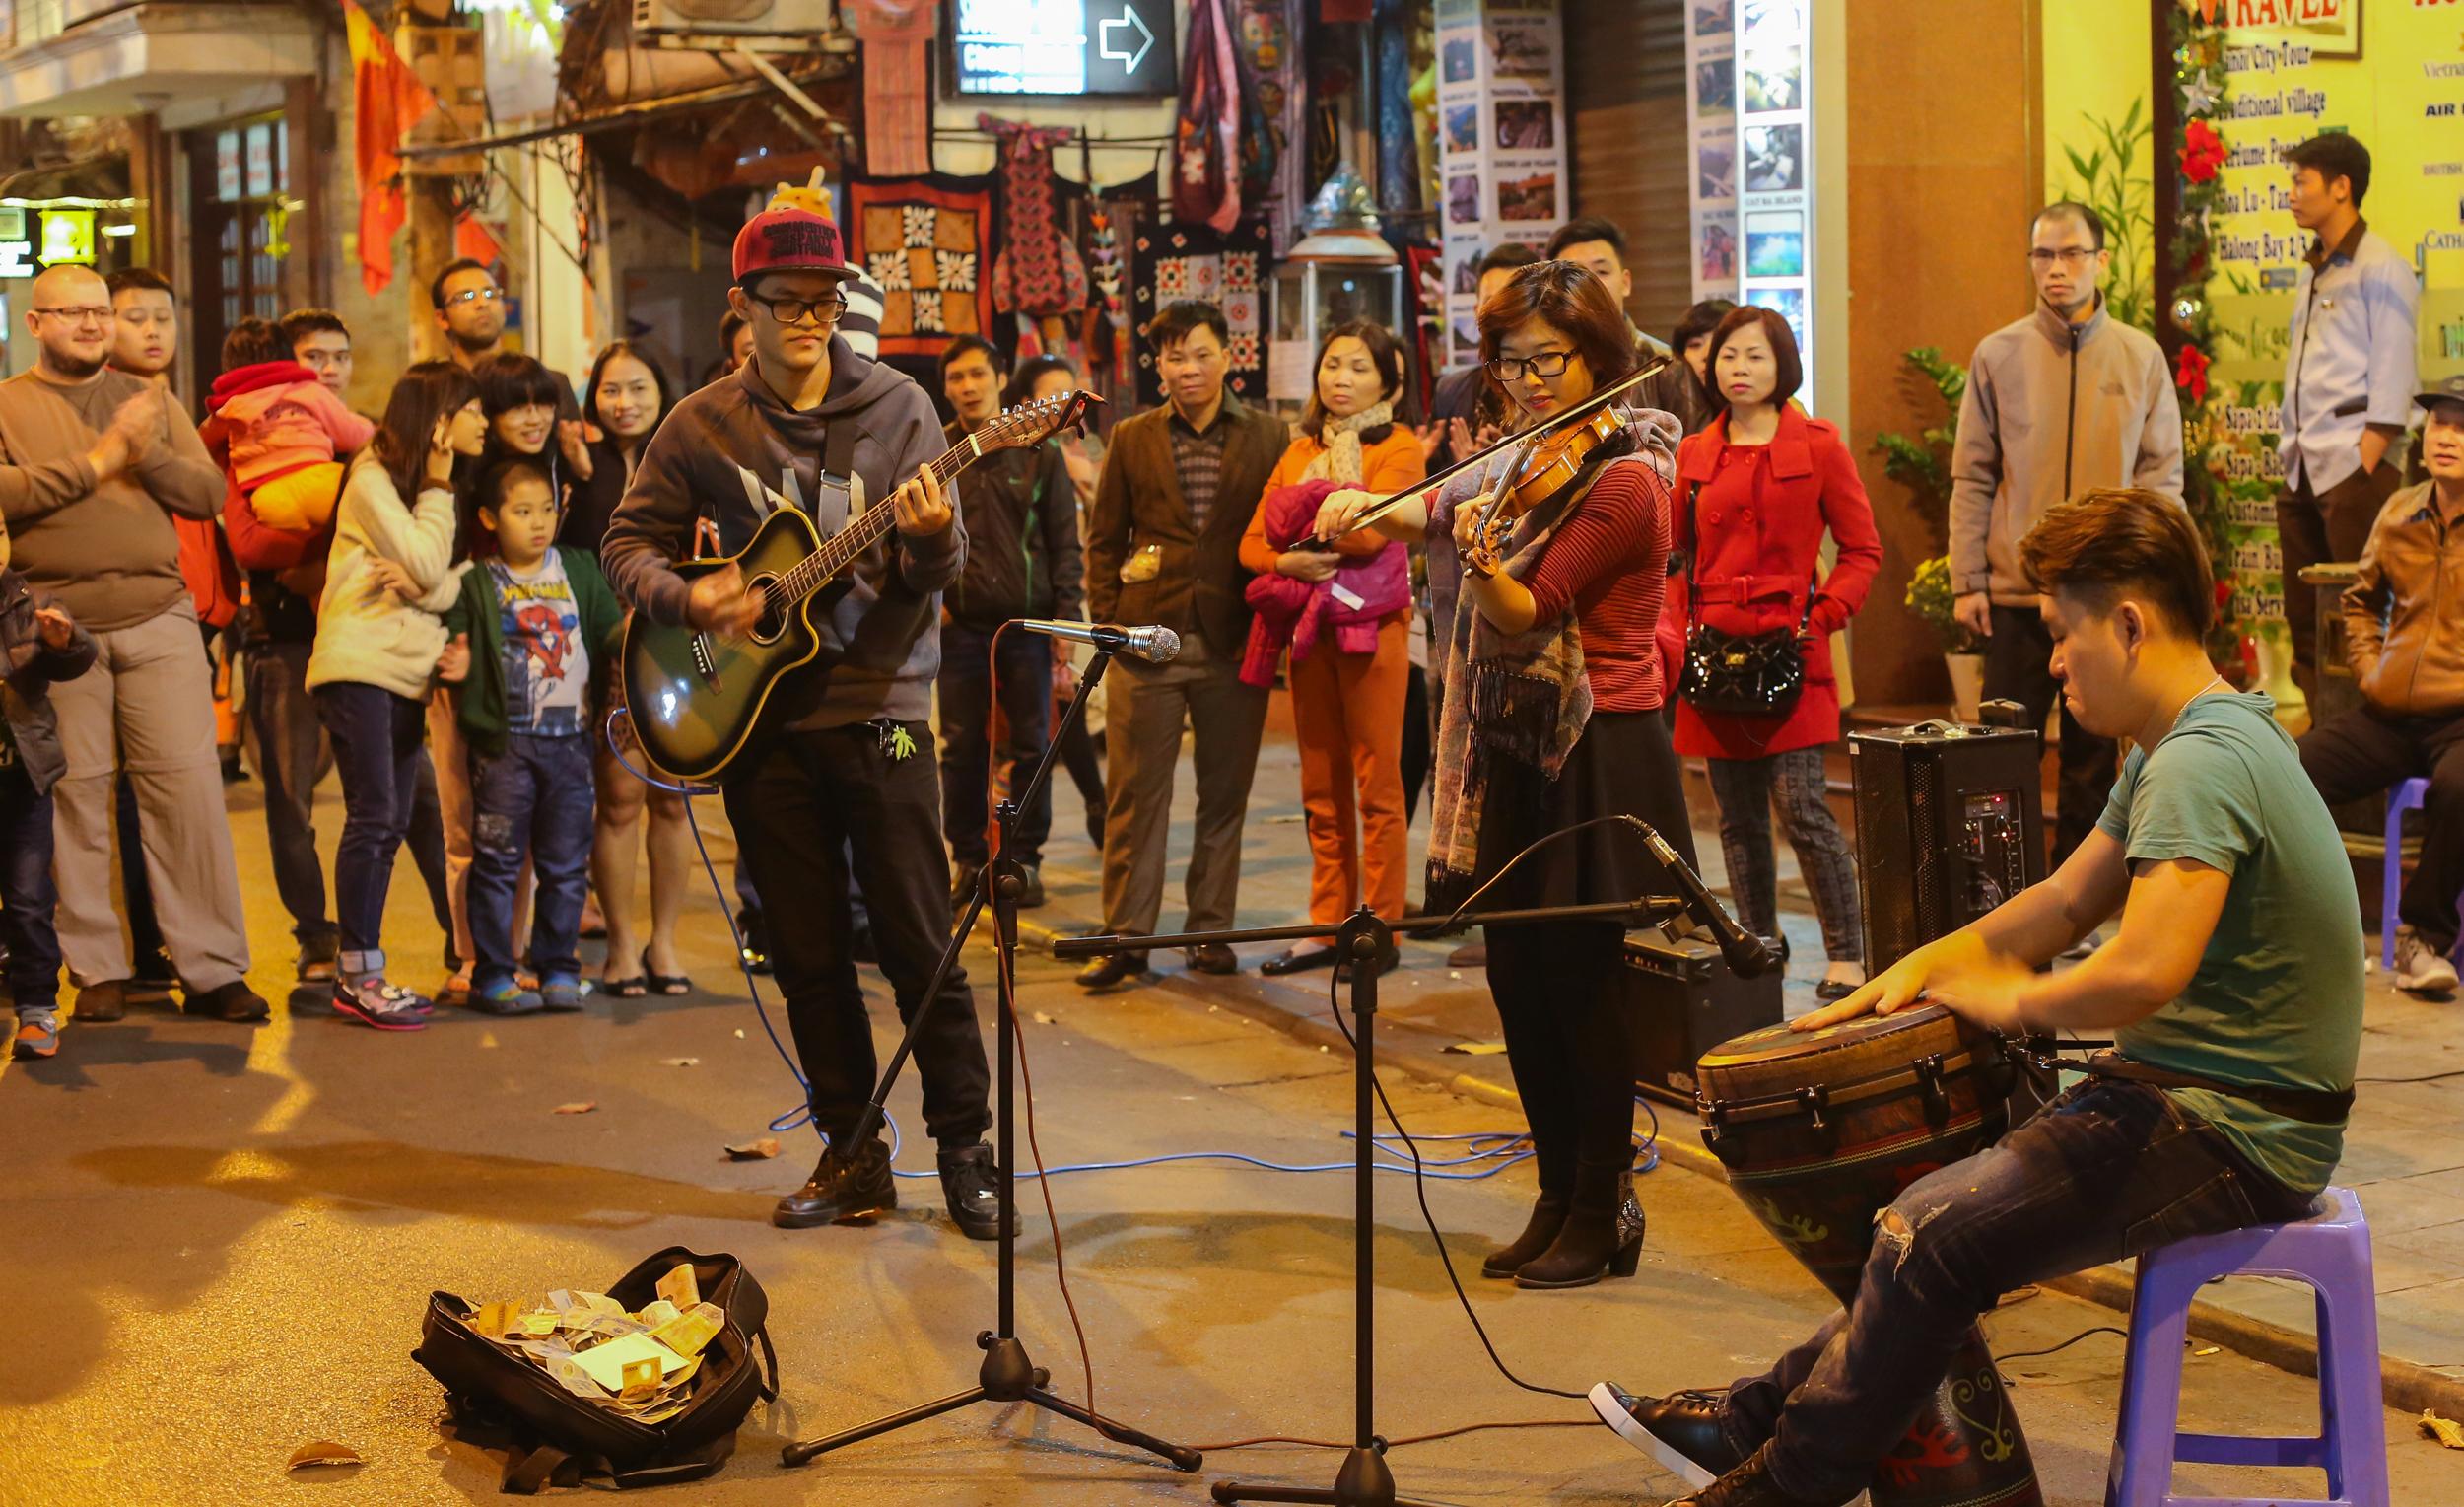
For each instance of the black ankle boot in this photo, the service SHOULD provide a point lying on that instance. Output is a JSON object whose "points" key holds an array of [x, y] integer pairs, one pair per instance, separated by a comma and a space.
{"points": [[1549, 1216], [1602, 1234]]}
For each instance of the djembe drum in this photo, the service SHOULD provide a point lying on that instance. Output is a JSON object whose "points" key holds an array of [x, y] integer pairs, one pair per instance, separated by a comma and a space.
{"points": [[1819, 1132]]}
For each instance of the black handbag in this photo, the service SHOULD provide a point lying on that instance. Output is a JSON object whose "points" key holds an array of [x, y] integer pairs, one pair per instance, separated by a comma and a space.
{"points": [[551, 1437], [1754, 675], [1732, 674]]}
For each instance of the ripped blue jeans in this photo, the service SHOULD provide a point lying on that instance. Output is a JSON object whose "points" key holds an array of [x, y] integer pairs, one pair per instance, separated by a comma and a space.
{"points": [[2108, 1170]]}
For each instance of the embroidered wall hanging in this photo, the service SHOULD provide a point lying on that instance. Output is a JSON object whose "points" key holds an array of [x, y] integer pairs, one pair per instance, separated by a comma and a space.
{"points": [[1179, 260], [929, 243]]}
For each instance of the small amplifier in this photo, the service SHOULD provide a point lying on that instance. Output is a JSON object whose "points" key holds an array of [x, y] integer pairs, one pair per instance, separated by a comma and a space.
{"points": [[1951, 823], [1686, 1003]]}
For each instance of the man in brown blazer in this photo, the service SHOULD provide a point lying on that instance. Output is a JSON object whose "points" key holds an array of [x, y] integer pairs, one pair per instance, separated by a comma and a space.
{"points": [[1163, 546]]}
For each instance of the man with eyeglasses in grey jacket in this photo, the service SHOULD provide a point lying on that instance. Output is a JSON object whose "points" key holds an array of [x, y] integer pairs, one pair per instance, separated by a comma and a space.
{"points": [[2063, 401]]}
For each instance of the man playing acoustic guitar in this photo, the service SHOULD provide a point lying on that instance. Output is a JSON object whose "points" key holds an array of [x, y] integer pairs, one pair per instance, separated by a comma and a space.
{"points": [[2233, 992], [844, 763]]}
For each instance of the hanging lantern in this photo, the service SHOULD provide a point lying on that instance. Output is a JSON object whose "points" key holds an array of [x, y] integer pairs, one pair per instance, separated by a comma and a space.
{"points": [[1340, 270]]}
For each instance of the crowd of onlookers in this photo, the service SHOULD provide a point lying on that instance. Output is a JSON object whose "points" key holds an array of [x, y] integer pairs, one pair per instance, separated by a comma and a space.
{"points": [[420, 594]]}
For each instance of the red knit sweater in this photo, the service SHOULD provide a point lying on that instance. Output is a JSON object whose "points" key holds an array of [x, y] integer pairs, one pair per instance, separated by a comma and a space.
{"points": [[1610, 558]]}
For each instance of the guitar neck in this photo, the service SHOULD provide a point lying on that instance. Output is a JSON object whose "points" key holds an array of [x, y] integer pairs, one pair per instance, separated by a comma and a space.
{"points": [[840, 550]]}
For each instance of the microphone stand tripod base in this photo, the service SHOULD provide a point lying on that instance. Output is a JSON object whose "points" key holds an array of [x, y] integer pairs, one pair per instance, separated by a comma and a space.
{"points": [[1365, 1481]]}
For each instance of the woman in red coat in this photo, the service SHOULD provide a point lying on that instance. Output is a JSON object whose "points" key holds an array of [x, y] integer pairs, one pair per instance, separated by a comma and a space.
{"points": [[1759, 487]]}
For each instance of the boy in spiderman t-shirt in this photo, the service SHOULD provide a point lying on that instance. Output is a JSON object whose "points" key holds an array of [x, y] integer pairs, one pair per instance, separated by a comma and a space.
{"points": [[537, 612]]}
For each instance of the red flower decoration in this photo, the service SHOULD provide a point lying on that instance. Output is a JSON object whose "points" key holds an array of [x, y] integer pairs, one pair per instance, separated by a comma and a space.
{"points": [[2190, 372], [2202, 152]]}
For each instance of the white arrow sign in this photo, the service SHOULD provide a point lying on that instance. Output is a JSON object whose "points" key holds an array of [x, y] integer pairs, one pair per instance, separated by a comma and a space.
{"points": [[1128, 61]]}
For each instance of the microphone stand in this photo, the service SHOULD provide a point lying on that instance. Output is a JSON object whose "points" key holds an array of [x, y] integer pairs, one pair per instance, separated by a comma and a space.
{"points": [[1363, 1480], [1006, 1374]]}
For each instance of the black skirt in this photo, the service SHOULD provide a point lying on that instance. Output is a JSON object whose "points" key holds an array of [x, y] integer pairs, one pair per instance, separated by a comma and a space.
{"points": [[1623, 764]]}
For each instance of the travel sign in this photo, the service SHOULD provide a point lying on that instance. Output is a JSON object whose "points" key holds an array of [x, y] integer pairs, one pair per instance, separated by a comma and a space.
{"points": [[1062, 46]]}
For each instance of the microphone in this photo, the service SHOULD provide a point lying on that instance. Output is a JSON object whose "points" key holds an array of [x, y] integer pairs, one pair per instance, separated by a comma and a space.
{"points": [[1154, 643], [1742, 951]]}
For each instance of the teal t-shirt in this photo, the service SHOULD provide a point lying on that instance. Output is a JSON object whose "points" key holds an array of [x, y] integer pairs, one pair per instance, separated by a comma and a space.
{"points": [[2277, 1000]]}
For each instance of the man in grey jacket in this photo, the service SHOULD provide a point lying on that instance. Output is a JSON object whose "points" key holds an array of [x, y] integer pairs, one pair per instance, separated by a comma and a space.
{"points": [[2060, 402], [840, 782]]}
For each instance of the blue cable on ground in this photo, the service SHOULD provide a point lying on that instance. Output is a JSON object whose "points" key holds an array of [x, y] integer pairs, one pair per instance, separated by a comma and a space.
{"points": [[1491, 1151]]}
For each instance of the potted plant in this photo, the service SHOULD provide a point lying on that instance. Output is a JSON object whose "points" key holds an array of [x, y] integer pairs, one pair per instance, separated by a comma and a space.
{"points": [[1931, 598]]}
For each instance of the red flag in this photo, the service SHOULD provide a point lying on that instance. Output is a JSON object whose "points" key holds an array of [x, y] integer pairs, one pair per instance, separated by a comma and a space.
{"points": [[388, 101]]}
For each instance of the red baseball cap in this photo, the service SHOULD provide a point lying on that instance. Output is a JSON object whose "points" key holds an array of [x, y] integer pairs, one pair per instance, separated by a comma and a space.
{"points": [[793, 233]]}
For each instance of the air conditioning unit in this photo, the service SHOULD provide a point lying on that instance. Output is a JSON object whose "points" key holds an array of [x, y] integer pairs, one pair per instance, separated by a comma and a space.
{"points": [[772, 26]]}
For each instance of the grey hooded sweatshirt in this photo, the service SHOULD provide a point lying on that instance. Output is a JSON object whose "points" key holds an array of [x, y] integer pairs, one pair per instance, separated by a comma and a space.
{"points": [[2052, 410], [733, 453]]}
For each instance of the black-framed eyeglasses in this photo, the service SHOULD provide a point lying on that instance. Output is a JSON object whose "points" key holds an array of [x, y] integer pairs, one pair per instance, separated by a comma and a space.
{"points": [[2069, 256], [1547, 364], [796, 311], [474, 296]]}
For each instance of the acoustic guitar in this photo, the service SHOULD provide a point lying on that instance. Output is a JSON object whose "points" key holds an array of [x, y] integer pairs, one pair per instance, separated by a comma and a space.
{"points": [[696, 697]]}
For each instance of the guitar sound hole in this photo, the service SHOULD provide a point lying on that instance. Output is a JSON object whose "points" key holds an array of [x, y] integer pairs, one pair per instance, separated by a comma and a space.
{"points": [[774, 618]]}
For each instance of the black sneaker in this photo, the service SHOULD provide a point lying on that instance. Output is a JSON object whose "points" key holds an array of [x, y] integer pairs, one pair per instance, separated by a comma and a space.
{"points": [[964, 877], [1683, 1430], [843, 1189], [232, 1001], [1751, 1485], [972, 1183], [756, 933]]}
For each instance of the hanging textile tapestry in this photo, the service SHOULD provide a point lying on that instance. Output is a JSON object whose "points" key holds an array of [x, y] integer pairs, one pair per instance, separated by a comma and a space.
{"points": [[929, 243], [1179, 260]]}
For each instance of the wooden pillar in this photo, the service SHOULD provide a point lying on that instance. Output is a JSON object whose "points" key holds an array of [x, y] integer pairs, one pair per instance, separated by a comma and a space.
{"points": [[431, 247], [308, 128]]}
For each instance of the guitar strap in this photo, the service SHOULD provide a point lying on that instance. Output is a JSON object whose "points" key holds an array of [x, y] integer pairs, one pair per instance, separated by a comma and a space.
{"points": [[841, 493]]}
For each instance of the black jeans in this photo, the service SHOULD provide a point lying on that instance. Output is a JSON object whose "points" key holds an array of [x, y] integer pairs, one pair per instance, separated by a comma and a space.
{"points": [[376, 737], [2107, 1171], [812, 809], [2364, 752], [2018, 667], [1025, 673], [1416, 740], [2334, 524], [28, 902], [532, 802]]}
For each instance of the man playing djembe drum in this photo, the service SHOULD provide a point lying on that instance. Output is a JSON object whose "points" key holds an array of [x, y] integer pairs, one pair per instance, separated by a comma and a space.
{"points": [[2238, 964]]}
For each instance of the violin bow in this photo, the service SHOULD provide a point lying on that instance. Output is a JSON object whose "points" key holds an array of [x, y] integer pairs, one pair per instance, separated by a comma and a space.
{"points": [[1427, 484]]}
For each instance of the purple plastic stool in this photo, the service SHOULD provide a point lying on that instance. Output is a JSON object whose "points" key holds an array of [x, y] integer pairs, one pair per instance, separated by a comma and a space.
{"points": [[2408, 796], [2330, 1251]]}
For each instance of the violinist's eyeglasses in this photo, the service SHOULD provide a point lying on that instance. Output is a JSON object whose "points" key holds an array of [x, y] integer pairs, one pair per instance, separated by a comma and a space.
{"points": [[1547, 364]]}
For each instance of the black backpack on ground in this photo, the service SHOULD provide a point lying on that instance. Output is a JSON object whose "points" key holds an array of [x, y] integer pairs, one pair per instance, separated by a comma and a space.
{"points": [[551, 1437]]}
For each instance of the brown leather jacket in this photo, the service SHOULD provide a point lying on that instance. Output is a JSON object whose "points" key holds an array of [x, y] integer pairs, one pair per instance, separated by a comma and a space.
{"points": [[1198, 579], [2404, 613]]}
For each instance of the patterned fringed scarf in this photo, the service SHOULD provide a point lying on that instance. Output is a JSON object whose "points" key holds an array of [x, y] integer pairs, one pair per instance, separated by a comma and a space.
{"points": [[1340, 460], [1522, 697]]}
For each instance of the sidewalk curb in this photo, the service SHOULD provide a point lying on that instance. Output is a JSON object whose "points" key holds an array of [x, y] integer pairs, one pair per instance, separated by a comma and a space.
{"points": [[2405, 1385]]}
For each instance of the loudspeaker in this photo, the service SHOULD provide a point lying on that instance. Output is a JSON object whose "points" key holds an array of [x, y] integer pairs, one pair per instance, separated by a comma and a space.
{"points": [[1950, 822], [1686, 1003]]}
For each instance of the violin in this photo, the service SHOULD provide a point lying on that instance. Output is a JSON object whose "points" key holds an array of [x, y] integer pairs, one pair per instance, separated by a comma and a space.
{"points": [[1552, 454]]}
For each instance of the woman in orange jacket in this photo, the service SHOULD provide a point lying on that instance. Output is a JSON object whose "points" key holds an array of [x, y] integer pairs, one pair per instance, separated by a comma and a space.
{"points": [[1347, 704]]}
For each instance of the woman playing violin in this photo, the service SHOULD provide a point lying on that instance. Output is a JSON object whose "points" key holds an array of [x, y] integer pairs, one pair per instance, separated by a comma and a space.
{"points": [[1550, 716]]}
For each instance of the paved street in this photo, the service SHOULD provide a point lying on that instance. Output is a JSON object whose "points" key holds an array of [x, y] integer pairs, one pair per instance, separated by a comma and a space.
{"points": [[223, 1238]]}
